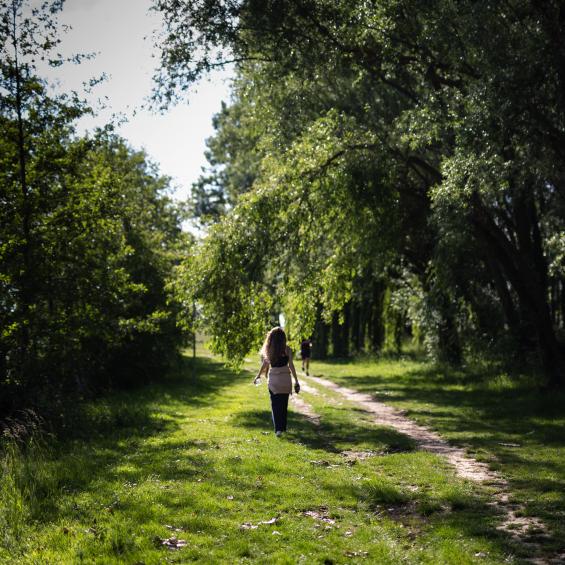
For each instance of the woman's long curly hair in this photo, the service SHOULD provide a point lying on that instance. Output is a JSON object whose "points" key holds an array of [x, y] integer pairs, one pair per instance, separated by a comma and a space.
{"points": [[275, 345]]}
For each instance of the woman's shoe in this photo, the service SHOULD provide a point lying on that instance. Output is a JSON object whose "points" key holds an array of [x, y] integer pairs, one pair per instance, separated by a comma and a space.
{"points": [[278, 433]]}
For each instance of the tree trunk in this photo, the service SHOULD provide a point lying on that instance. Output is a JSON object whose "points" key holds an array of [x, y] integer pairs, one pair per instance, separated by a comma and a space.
{"points": [[562, 305], [25, 277], [340, 335], [518, 323], [356, 323], [346, 330], [375, 321], [362, 326], [335, 334], [320, 338], [524, 267], [449, 344]]}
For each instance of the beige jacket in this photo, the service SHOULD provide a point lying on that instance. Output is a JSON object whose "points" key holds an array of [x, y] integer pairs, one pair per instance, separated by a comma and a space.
{"points": [[280, 380]]}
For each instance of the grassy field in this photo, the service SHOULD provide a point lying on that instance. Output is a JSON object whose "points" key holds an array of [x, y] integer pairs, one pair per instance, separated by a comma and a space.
{"points": [[194, 457], [510, 423]]}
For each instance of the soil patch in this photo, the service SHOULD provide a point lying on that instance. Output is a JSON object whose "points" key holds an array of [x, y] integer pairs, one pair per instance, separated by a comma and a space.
{"points": [[352, 456], [301, 406]]}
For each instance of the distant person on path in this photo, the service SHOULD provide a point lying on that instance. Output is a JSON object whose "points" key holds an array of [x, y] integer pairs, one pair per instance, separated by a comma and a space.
{"points": [[305, 354], [277, 360]]}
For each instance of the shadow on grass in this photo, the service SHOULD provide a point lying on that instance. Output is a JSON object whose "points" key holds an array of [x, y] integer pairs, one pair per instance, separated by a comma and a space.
{"points": [[421, 512], [427, 514], [103, 440], [328, 435], [454, 508], [522, 426], [115, 414]]}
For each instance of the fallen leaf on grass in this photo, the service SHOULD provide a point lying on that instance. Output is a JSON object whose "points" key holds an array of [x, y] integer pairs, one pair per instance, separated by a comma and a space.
{"points": [[173, 528], [229, 497], [248, 526], [319, 515], [348, 534], [356, 553], [275, 533], [324, 463], [173, 543], [352, 456]]}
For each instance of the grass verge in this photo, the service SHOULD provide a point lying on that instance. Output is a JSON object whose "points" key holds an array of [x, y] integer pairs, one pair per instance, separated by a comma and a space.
{"points": [[508, 422], [194, 458]]}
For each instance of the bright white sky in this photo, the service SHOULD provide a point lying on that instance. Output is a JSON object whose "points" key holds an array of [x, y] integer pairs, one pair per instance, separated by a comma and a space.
{"points": [[121, 32]]}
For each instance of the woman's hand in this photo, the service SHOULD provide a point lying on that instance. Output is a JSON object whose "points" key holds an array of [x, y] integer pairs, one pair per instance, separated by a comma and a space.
{"points": [[257, 380]]}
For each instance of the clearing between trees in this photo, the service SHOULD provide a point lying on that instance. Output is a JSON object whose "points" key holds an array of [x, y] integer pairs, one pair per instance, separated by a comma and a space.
{"points": [[189, 470]]}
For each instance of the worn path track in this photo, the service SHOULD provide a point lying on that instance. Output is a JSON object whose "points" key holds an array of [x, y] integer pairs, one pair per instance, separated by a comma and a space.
{"points": [[304, 408], [525, 530]]}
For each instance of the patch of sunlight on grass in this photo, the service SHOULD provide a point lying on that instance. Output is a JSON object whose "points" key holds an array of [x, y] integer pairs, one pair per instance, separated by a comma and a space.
{"points": [[195, 457], [504, 420]]}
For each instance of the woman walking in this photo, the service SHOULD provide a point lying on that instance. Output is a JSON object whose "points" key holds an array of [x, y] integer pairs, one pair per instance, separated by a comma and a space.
{"points": [[277, 360]]}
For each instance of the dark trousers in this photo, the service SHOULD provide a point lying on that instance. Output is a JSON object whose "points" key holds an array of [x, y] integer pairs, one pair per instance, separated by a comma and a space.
{"points": [[279, 408]]}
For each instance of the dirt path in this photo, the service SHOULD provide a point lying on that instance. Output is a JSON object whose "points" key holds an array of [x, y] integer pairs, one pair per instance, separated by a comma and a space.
{"points": [[526, 530], [301, 406]]}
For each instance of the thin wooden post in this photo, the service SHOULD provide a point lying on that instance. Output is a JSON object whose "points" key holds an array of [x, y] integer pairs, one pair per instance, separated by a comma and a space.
{"points": [[193, 339]]}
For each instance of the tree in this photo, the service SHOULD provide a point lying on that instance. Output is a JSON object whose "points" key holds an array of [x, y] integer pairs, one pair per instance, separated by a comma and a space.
{"points": [[88, 238], [31, 121], [450, 96]]}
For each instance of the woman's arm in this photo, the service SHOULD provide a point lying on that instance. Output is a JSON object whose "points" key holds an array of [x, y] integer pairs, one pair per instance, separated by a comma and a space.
{"points": [[291, 365], [264, 367]]}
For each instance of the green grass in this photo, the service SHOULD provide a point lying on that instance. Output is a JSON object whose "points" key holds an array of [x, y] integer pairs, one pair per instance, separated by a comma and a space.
{"points": [[197, 454], [508, 422]]}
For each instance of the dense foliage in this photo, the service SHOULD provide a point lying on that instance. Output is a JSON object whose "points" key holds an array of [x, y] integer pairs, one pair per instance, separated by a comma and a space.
{"points": [[88, 238], [394, 165]]}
